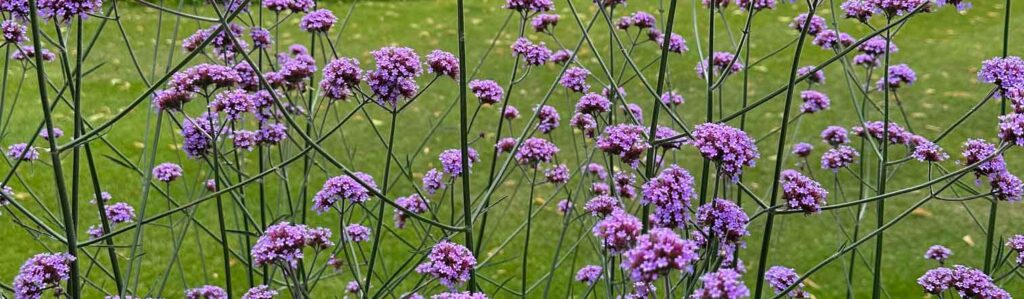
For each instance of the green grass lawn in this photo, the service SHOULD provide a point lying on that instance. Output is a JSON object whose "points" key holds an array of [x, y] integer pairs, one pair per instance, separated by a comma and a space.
{"points": [[944, 48]]}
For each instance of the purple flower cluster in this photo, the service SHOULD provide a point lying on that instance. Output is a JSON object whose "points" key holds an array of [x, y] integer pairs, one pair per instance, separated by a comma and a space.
{"points": [[756, 4], [860, 10], [670, 192], [167, 172], [724, 220], [817, 24], [529, 5], [618, 231], [42, 272], [343, 187], [547, 118], [730, 147], [802, 149], [559, 174], [838, 157], [63, 11], [451, 160], [877, 46], [13, 32], [968, 282], [897, 7], [443, 63], [938, 252], [977, 150], [293, 5], [206, 292], [624, 183], [676, 43], [200, 77], [340, 77], [780, 278], [831, 39], [899, 75], [260, 292], [357, 233], [545, 22], [457, 295], [394, 78], [672, 98], [1006, 72], [25, 53], [722, 64], [813, 76], [535, 150], [589, 274], [449, 262], [21, 151], [534, 54], [283, 243], [656, 253], [814, 101], [585, 123], [602, 205], [1006, 186], [575, 79], [260, 37], [801, 192], [1016, 243], [433, 180], [592, 103], [835, 135], [877, 130], [561, 56], [198, 134], [624, 140], [564, 206], [120, 213], [927, 151], [57, 133], [488, 91], [414, 203], [320, 20], [722, 284]]}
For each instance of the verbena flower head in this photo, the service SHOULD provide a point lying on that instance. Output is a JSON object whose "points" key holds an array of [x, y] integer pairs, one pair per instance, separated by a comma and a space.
{"points": [[343, 187], [897, 7], [838, 157], [780, 278], [899, 75], [63, 11], [357, 233], [203, 76], [260, 292], [801, 192], [592, 103], [451, 160], [1005, 72], [510, 113], [860, 10], [535, 150], [564, 206], [960, 5], [866, 60], [26, 53], [669, 192], [271, 134], [977, 150], [414, 203], [167, 172], [533, 54], [282, 243], [561, 56], [802, 149], [624, 182], [656, 253], [927, 151], [1006, 186], [663, 133], [618, 231], [724, 283], [676, 43], [42, 272], [206, 292], [120, 213], [817, 24], [720, 4], [260, 37], [730, 147], [559, 174], [832, 39], [813, 76], [21, 151], [13, 32], [596, 170], [586, 123], [320, 20], [199, 133], [672, 98], [720, 65], [814, 101], [234, 103], [877, 130], [624, 140], [936, 281], [443, 63], [634, 110], [433, 180], [448, 262], [575, 79], [505, 145], [602, 205], [293, 5], [544, 22], [353, 287], [724, 220], [973, 283], [938, 252], [547, 118], [529, 5], [835, 135], [488, 91], [18, 9], [599, 188], [457, 295], [642, 20], [876, 46], [394, 78], [756, 4], [341, 76], [589, 274]]}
